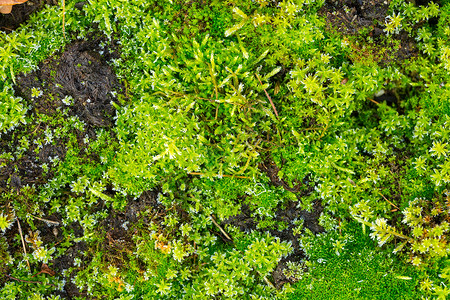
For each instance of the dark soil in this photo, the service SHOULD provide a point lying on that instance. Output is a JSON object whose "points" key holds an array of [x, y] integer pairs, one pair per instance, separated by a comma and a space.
{"points": [[80, 72], [271, 169], [66, 261], [19, 172], [21, 12], [285, 213], [365, 20], [50, 234], [119, 227]]}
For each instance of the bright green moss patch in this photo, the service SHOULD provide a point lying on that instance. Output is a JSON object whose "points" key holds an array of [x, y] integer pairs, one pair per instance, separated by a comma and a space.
{"points": [[367, 275], [360, 271]]}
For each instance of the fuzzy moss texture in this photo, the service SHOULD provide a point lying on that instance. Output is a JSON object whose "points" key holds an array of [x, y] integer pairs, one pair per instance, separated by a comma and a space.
{"points": [[250, 149]]}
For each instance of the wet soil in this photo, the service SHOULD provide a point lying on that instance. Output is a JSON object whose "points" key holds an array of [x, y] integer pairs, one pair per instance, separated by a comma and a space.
{"points": [[120, 226], [363, 22], [285, 213], [21, 12], [82, 73], [118, 230], [50, 234], [271, 170]]}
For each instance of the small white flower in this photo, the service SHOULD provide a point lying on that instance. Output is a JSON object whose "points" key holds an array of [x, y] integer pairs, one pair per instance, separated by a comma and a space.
{"points": [[67, 100], [129, 287], [77, 262]]}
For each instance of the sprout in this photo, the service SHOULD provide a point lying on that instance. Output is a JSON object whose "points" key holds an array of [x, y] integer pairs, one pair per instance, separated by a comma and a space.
{"points": [[6, 221], [36, 92]]}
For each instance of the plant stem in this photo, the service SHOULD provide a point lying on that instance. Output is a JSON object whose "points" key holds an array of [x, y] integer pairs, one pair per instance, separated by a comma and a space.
{"points": [[388, 200], [45, 220], [268, 96], [23, 244], [64, 19], [220, 228], [28, 281], [377, 103], [233, 176]]}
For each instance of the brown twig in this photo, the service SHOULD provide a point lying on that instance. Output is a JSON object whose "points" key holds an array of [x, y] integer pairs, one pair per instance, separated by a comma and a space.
{"points": [[23, 244], [388, 200], [64, 19], [45, 269], [28, 281], [220, 228], [234, 176], [340, 230], [268, 96], [325, 129], [312, 128], [216, 89], [377, 103], [45, 220], [184, 95]]}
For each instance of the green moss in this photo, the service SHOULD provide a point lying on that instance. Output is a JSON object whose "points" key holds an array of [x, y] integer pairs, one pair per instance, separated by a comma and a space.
{"points": [[361, 271], [217, 92]]}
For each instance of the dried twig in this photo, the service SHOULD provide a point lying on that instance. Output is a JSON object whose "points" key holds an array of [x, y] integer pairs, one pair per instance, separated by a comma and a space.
{"points": [[354, 184], [220, 228], [268, 96], [45, 220], [45, 269], [377, 103], [312, 128], [323, 131], [28, 281], [64, 19], [388, 200], [23, 244], [234, 176], [267, 281]]}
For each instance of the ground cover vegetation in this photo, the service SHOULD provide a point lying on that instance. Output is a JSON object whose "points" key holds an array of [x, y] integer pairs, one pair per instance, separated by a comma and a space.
{"points": [[211, 149]]}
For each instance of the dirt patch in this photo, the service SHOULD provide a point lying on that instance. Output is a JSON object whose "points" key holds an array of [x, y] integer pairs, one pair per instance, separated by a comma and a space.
{"points": [[80, 81], [120, 226], [26, 169], [19, 172], [50, 234], [364, 20], [271, 170], [81, 73], [67, 260], [21, 12], [79, 78], [288, 213], [118, 229]]}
